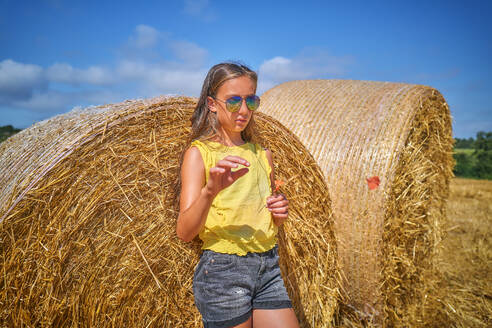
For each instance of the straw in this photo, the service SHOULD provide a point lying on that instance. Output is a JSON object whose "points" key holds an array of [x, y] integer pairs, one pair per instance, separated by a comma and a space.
{"points": [[88, 213], [387, 236]]}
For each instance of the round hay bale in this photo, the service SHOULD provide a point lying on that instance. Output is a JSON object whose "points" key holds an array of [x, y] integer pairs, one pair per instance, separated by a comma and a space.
{"points": [[386, 236], [88, 213]]}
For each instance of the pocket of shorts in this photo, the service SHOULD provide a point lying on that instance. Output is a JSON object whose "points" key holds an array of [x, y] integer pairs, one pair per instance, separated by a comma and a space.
{"points": [[219, 261]]}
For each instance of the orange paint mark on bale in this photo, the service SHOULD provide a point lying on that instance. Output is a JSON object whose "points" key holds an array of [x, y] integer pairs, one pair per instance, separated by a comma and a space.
{"points": [[373, 182]]}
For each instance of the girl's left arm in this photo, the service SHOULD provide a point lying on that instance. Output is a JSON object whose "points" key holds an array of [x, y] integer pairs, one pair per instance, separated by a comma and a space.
{"points": [[277, 204]]}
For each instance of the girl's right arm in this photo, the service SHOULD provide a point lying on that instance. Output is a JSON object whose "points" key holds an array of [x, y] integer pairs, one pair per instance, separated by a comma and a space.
{"points": [[197, 196]]}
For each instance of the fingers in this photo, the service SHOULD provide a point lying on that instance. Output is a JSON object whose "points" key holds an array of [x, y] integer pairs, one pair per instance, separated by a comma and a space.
{"points": [[281, 215], [222, 176], [277, 201], [232, 162], [229, 162], [278, 205], [239, 173], [280, 212], [217, 170]]}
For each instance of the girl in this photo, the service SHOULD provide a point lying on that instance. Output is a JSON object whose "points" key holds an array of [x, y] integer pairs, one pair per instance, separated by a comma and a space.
{"points": [[226, 199]]}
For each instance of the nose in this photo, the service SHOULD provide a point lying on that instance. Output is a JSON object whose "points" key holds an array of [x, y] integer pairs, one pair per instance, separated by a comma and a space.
{"points": [[244, 110]]}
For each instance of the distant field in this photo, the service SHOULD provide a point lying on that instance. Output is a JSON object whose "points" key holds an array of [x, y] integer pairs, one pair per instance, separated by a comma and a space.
{"points": [[468, 151]]}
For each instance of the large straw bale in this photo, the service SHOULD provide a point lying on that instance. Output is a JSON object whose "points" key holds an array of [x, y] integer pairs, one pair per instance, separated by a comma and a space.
{"points": [[88, 213], [386, 237]]}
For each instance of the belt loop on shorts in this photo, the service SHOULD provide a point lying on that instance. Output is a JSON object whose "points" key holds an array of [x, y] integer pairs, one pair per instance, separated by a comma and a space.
{"points": [[269, 253], [262, 265]]}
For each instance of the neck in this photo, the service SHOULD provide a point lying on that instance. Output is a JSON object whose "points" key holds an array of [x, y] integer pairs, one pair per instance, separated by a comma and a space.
{"points": [[230, 139]]}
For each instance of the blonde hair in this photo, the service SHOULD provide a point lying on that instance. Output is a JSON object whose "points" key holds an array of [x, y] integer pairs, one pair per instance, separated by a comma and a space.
{"points": [[204, 123]]}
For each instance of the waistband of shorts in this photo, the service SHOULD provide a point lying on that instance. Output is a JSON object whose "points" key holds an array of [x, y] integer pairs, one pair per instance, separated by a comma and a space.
{"points": [[270, 252]]}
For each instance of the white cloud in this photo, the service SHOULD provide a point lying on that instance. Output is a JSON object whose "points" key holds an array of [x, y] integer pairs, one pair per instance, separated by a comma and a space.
{"points": [[65, 73], [173, 66], [162, 78], [281, 68], [131, 69], [180, 81], [145, 37], [49, 101], [189, 53], [18, 80], [308, 65]]}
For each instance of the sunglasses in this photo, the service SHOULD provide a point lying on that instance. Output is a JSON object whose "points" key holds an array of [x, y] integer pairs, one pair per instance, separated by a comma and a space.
{"points": [[233, 104]]}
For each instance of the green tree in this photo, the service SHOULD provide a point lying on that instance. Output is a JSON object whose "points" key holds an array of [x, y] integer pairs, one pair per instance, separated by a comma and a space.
{"points": [[483, 154], [464, 165], [6, 131], [484, 141], [464, 143]]}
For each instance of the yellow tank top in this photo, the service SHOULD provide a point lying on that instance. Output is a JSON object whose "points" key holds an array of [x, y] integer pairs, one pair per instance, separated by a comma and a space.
{"points": [[238, 221]]}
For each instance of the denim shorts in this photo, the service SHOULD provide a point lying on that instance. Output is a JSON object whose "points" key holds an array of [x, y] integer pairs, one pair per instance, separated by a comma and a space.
{"points": [[228, 287]]}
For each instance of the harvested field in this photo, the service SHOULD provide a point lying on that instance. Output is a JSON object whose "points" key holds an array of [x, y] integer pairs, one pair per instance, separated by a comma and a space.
{"points": [[466, 255]]}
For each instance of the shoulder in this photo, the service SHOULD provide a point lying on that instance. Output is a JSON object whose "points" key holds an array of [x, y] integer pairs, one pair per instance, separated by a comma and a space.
{"points": [[193, 165], [192, 154], [201, 147], [200, 153]]}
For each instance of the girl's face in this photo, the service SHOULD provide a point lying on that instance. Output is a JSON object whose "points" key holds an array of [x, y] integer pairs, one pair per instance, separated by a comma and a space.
{"points": [[233, 123]]}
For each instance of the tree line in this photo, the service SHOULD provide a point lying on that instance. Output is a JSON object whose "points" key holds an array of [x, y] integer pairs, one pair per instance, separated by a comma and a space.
{"points": [[474, 156], [6, 131]]}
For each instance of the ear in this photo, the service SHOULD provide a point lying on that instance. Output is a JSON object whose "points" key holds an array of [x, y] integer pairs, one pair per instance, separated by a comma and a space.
{"points": [[211, 104]]}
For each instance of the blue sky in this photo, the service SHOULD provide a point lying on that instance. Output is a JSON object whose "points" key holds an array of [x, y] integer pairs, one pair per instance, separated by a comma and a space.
{"points": [[57, 54]]}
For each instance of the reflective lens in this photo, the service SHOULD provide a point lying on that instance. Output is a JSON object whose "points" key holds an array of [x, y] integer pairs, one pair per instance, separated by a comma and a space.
{"points": [[253, 102], [233, 104]]}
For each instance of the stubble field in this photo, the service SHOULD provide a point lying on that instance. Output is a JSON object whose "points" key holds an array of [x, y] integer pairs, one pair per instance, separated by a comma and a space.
{"points": [[466, 256]]}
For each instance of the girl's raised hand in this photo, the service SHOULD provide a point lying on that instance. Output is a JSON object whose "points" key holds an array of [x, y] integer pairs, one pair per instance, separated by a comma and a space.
{"points": [[221, 176], [278, 205]]}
